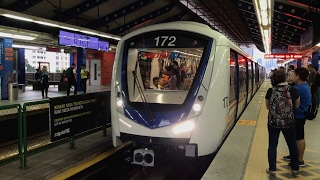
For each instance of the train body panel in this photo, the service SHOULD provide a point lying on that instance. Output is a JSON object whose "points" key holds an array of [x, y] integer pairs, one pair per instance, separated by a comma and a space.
{"points": [[200, 111]]}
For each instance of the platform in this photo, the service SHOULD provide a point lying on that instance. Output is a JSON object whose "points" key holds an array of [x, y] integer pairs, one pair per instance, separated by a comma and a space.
{"points": [[35, 95], [244, 153]]}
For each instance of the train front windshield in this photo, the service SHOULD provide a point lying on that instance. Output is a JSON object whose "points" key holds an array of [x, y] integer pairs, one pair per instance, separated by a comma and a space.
{"points": [[162, 67]]}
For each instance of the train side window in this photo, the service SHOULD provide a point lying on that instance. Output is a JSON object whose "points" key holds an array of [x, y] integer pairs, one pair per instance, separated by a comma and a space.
{"points": [[232, 94], [242, 75]]}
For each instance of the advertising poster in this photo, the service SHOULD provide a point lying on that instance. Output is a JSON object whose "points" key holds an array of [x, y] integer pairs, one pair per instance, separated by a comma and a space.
{"points": [[75, 114]]}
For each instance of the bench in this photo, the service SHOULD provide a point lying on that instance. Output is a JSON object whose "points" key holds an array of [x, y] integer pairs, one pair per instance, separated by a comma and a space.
{"points": [[62, 86]]}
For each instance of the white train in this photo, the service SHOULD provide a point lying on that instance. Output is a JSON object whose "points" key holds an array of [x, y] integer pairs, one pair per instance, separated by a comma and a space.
{"points": [[195, 112]]}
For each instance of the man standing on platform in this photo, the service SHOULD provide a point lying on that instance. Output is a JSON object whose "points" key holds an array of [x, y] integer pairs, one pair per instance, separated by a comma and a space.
{"points": [[71, 79], [84, 76], [300, 79]]}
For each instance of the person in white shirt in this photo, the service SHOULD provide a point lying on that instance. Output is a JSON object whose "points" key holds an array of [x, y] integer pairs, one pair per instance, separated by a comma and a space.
{"points": [[155, 84], [291, 75]]}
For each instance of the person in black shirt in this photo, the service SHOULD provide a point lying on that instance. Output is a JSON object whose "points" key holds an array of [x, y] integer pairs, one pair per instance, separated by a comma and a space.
{"points": [[37, 75], [71, 80]]}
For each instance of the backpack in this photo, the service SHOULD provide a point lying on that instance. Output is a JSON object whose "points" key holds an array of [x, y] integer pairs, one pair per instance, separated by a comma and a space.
{"points": [[88, 75], [312, 111], [281, 113], [318, 79], [69, 73]]}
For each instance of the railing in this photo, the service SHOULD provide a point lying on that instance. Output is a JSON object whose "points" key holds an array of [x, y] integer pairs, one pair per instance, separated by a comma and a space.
{"points": [[25, 131], [10, 133]]}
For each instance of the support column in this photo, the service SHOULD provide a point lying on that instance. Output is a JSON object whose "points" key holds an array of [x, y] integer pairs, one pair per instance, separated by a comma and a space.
{"points": [[315, 59], [21, 67], [299, 63], [81, 59], [6, 66]]}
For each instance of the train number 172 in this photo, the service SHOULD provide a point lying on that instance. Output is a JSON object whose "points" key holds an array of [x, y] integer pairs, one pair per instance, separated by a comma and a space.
{"points": [[165, 41]]}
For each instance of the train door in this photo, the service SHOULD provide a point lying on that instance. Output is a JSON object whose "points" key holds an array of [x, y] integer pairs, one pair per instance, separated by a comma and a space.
{"points": [[242, 84], [249, 80], [233, 100], [254, 82]]}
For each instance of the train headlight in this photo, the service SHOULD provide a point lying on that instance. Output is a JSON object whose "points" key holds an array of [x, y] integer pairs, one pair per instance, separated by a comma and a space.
{"points": [[196, 107], [184, 127], [119, 102]]}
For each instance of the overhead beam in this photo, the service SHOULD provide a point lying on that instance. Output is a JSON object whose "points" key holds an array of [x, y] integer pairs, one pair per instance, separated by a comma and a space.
{"points": [[118, 14], [143, 19], [174, 18], [78, 10], [21, 6]]}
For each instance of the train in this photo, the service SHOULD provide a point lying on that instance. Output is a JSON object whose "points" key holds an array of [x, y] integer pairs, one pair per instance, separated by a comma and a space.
{"points": [[194, 112]]}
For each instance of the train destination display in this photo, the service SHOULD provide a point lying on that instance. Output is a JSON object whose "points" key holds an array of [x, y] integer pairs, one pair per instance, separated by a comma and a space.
{"points": [[81, 40]]}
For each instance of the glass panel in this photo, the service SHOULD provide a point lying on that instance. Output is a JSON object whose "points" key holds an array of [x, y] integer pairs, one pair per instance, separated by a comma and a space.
{"points": [[250, 75], [242, 75], [232, 96], [162, 65]]}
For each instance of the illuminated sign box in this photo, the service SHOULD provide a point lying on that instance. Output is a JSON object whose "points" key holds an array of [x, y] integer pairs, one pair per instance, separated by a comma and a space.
{"points": [[81, 40], [282, 56]]}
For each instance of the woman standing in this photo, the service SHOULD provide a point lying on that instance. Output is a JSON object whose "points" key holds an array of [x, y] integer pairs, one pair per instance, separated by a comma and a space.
{"points": [[281, 101], [44, 80]]}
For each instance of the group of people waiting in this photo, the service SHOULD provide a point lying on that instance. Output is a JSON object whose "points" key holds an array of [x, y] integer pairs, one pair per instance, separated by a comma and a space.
{"points": [[177, 77], [287, 102], [69, 75]]}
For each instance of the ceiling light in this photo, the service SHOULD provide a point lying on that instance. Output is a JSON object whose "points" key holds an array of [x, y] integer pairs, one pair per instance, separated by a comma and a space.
{"points": [[46, 23], [25, 47], [89, 32], [69, 28], [16, 36], [17, 17]]}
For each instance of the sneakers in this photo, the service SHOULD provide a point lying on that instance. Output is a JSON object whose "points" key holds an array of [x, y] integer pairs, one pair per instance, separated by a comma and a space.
{"points": [[271, 173], [287, 158], [294, 172], [301, 164]]}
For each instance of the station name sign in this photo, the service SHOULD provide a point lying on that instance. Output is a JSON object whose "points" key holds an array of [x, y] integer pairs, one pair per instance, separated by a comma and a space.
{"points": [[283, 56]]}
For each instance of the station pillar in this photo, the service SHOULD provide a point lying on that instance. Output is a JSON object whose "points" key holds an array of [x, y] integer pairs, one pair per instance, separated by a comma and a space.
{"points": [[21, 67], [299, 63], [315, 59], [6, 66], [80, 59]]}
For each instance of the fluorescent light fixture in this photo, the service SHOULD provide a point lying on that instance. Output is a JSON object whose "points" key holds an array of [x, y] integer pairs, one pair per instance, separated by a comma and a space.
{"points": [[29, 18], [263, 5], [46, 23], [25, 47], [89, 32], [16, 36], [17, 17], [184, 127], [69, 28]]}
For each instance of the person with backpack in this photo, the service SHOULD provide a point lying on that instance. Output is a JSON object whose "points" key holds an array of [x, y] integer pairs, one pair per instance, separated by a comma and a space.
{"points": [[318, 86], [301, 76], [44, 81], [71, 79], [282, 100], [84, 76]]}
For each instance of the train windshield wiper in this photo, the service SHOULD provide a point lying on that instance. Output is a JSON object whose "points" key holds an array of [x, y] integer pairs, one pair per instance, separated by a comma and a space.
{"points": [[145, 103]]}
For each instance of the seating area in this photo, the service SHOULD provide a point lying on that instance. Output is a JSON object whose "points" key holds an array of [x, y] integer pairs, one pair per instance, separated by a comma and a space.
{"points": [[54, 80], [62, 86]]}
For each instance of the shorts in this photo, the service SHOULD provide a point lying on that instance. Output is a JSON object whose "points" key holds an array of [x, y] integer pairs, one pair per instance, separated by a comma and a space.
{"points": [[300, 128]]}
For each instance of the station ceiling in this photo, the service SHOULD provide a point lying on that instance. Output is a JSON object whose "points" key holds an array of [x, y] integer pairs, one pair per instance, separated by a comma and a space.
{"points": [[234, 18]]}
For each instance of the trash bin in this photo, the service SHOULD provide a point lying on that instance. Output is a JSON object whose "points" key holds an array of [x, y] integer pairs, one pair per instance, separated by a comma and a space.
{"points": [[13, 91]]}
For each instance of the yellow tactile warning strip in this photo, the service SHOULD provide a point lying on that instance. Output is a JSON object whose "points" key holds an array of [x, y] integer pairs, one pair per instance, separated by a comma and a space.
{"points": [[247, 122], [258, 162], [67, 174]]}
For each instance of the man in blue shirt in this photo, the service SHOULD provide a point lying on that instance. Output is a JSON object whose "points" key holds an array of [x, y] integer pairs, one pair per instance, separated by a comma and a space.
{"points": [[300, 79]]}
